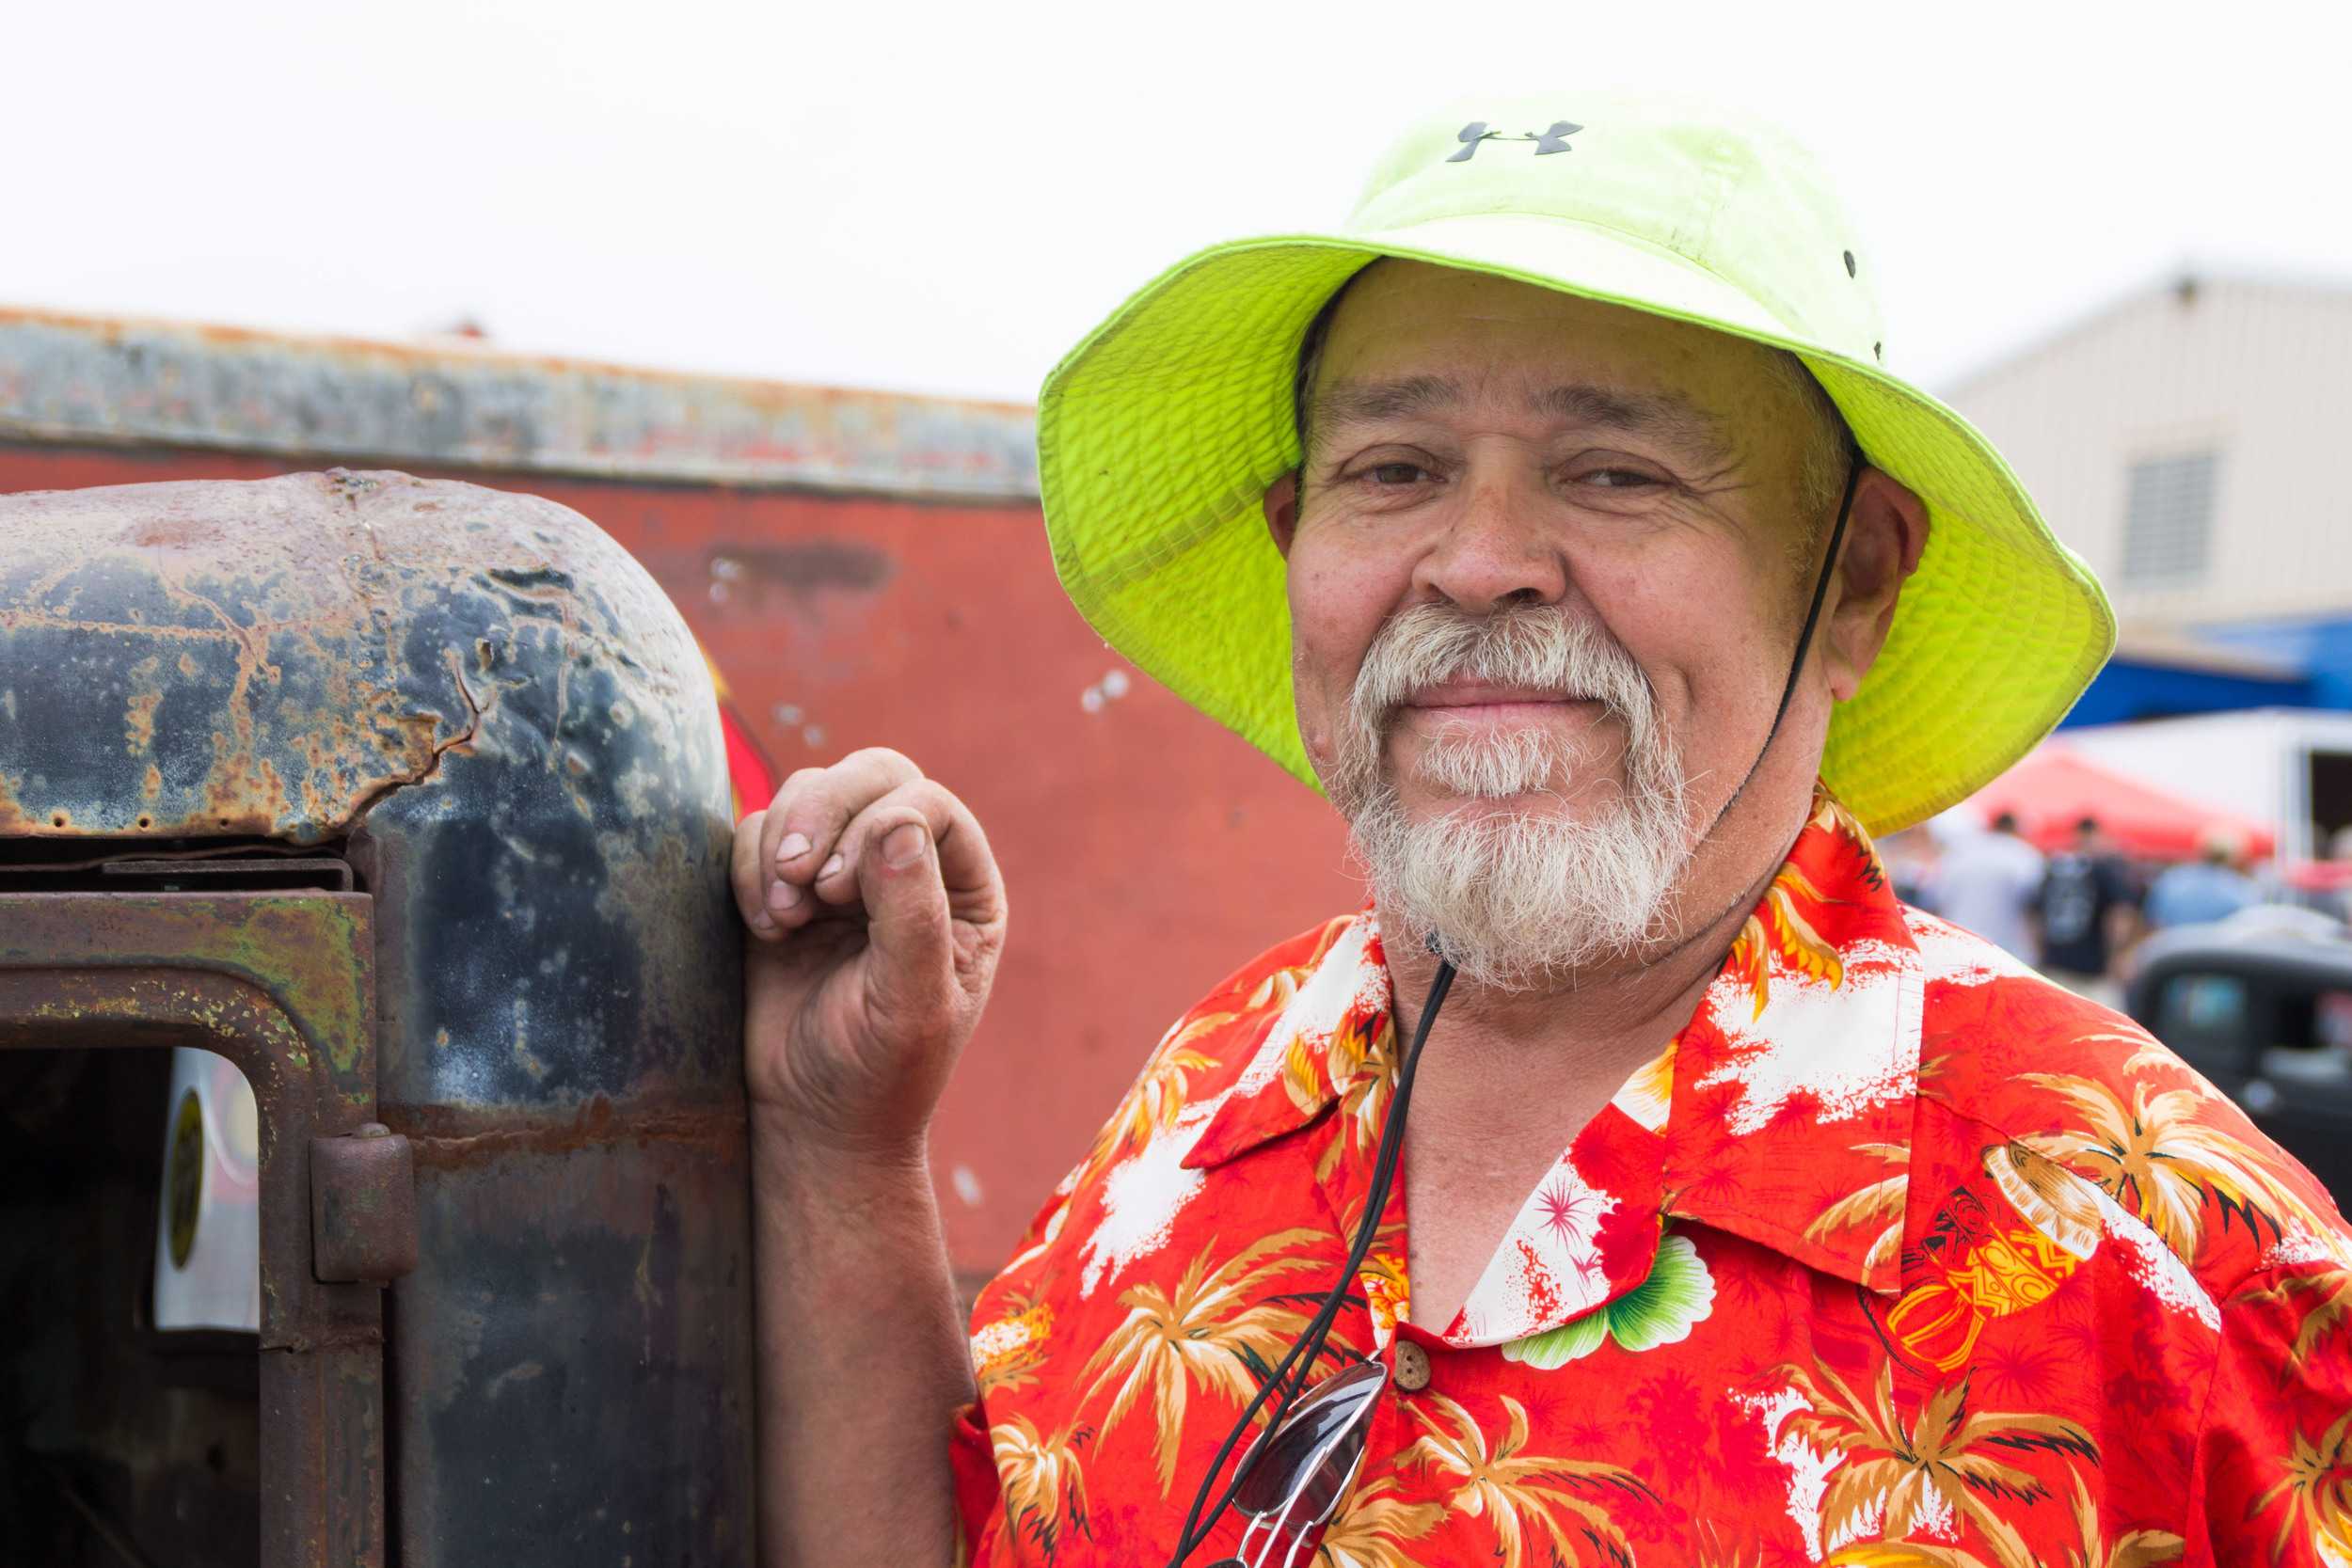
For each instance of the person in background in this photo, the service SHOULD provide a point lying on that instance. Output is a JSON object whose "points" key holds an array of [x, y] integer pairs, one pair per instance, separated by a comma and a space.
{"points": [[2212, 887], [1910, 857], [2088, 915], [1986, 883]]}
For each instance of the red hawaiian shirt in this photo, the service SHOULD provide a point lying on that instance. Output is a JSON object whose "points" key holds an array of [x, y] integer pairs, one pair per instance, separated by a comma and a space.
{"points": [[1898, 1255]]}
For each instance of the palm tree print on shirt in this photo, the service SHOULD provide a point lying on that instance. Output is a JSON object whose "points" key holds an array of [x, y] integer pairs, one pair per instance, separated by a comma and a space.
{"points": [[1220, 1328], [1044, 1487], [1373, 1530], [1894, 1477], [2316, 1493], [1519, 1493], [2133, 1548], [2162, 1163]]}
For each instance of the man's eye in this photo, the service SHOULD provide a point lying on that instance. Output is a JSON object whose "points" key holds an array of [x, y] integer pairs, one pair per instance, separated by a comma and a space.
{"points": [[1619, 479], [1396, 473]]}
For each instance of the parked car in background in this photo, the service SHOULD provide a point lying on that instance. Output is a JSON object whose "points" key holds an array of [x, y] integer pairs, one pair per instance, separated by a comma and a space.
{"points": [[2262, 1005]]}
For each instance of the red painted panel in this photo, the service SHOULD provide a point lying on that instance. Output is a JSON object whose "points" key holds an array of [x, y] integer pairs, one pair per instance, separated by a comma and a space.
{"points": [[842, 622]]}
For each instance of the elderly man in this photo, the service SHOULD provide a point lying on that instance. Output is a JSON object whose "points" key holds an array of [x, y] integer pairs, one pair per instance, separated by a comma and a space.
{"points": [[1558, 518]]}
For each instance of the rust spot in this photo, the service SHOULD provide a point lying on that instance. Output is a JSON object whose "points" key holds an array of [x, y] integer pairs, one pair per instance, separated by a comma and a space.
{"points": [[524, 1371], [450, 1138], [165, 533], [138, 720], [365, 1338]]}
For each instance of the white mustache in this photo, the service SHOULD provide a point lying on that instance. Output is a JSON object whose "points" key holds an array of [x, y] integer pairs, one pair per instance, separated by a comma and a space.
{"points": [[1533, 648]]}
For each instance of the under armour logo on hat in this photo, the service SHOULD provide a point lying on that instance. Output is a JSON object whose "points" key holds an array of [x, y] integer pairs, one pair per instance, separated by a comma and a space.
{"points": [[1554, 140]]}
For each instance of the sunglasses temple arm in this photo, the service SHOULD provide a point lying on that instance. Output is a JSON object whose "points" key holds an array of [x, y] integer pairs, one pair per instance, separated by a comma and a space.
{"points": [[1292, 1556], [1277, 1524], [1299, 1539]]}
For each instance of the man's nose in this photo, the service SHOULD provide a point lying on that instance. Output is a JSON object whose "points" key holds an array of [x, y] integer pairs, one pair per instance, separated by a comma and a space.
{"points": [[1495, 549]]}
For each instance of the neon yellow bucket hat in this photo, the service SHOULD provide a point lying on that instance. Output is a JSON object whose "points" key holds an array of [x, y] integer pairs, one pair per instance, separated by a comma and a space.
{"points": [[1158, 436]]}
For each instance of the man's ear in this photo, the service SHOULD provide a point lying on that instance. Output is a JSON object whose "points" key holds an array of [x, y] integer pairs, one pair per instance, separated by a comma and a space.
{"points": [[1885, 533], [1281, 511]]}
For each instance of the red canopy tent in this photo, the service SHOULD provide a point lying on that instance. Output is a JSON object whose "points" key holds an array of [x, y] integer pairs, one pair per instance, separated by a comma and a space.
{"points": [[2053, 789]]}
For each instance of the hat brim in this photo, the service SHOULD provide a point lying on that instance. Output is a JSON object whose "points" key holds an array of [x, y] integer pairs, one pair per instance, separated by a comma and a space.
{"points": [[1158, 436]]}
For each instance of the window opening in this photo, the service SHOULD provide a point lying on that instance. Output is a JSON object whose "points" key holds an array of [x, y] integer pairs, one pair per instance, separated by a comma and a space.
{"points": [[2168, 519], [208, 1229]]}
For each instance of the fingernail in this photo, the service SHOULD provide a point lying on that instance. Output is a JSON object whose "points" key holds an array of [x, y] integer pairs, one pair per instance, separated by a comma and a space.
{"points": [[783, 897], [904, 844], [831, 866], [792, 848], [761, 924]]}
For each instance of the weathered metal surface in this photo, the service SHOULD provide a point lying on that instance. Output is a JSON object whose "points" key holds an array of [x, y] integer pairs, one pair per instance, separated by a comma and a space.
{"points": [[281, 985], [503, 720], [65, 378], [561, 998], [223, 871], [363, 1206], [267, 660]]}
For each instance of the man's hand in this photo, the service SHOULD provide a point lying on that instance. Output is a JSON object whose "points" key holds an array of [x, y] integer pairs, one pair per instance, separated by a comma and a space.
{"points": [[877, 916]]}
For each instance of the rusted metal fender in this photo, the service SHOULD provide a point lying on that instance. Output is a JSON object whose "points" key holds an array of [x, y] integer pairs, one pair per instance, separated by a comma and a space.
{"points": [[208, 659], [502, 721]]}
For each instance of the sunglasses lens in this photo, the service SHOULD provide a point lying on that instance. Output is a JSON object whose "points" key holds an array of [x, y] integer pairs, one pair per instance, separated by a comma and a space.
{"points": [[1304, 1463]]}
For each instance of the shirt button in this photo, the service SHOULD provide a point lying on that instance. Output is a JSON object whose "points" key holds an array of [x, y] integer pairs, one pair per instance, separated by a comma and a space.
{"points": [[1412, 1367]]}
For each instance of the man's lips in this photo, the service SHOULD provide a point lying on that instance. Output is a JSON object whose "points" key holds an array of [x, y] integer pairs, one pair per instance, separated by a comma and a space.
{"points": [[1477, 696]]}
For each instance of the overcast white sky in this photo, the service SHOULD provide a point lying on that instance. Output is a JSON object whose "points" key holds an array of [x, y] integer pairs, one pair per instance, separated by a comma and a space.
{"points": [[941, 197]]}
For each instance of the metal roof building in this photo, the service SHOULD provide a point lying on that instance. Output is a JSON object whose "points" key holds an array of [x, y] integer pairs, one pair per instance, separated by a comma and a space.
{"points": [[2185, 441], [2179, 441]]}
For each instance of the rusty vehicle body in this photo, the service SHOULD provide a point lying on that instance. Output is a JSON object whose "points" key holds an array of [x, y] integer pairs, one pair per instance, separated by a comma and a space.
{"points": [[409, 798], [865, 569]]}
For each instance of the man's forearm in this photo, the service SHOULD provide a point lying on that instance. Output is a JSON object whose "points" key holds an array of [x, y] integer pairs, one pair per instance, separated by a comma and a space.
{"points": [[863, 1361]]}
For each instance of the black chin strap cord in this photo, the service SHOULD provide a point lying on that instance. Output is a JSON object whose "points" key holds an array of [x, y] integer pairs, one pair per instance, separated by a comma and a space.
{"points": [[1289, 1376], [1821, 592], [1804, 645]]}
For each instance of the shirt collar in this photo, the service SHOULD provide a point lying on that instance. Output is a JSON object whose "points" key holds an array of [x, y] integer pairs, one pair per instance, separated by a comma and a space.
{"points": [[1787, 1099]]}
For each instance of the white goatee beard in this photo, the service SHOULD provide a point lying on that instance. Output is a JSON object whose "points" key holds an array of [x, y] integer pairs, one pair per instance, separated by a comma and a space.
{"points": [[1517, 898]]}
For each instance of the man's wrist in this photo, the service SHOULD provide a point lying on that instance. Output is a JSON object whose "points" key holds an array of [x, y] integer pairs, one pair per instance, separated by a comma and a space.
{"points": [[787, 1148]]}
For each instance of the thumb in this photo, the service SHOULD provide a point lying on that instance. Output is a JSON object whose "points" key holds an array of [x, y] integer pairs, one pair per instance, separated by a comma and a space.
{"points": [[909, 981]]}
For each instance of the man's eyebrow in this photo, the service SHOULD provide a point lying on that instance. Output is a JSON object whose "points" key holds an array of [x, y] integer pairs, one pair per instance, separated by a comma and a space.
{"points": [[1674, 418], [1366, 402]]}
